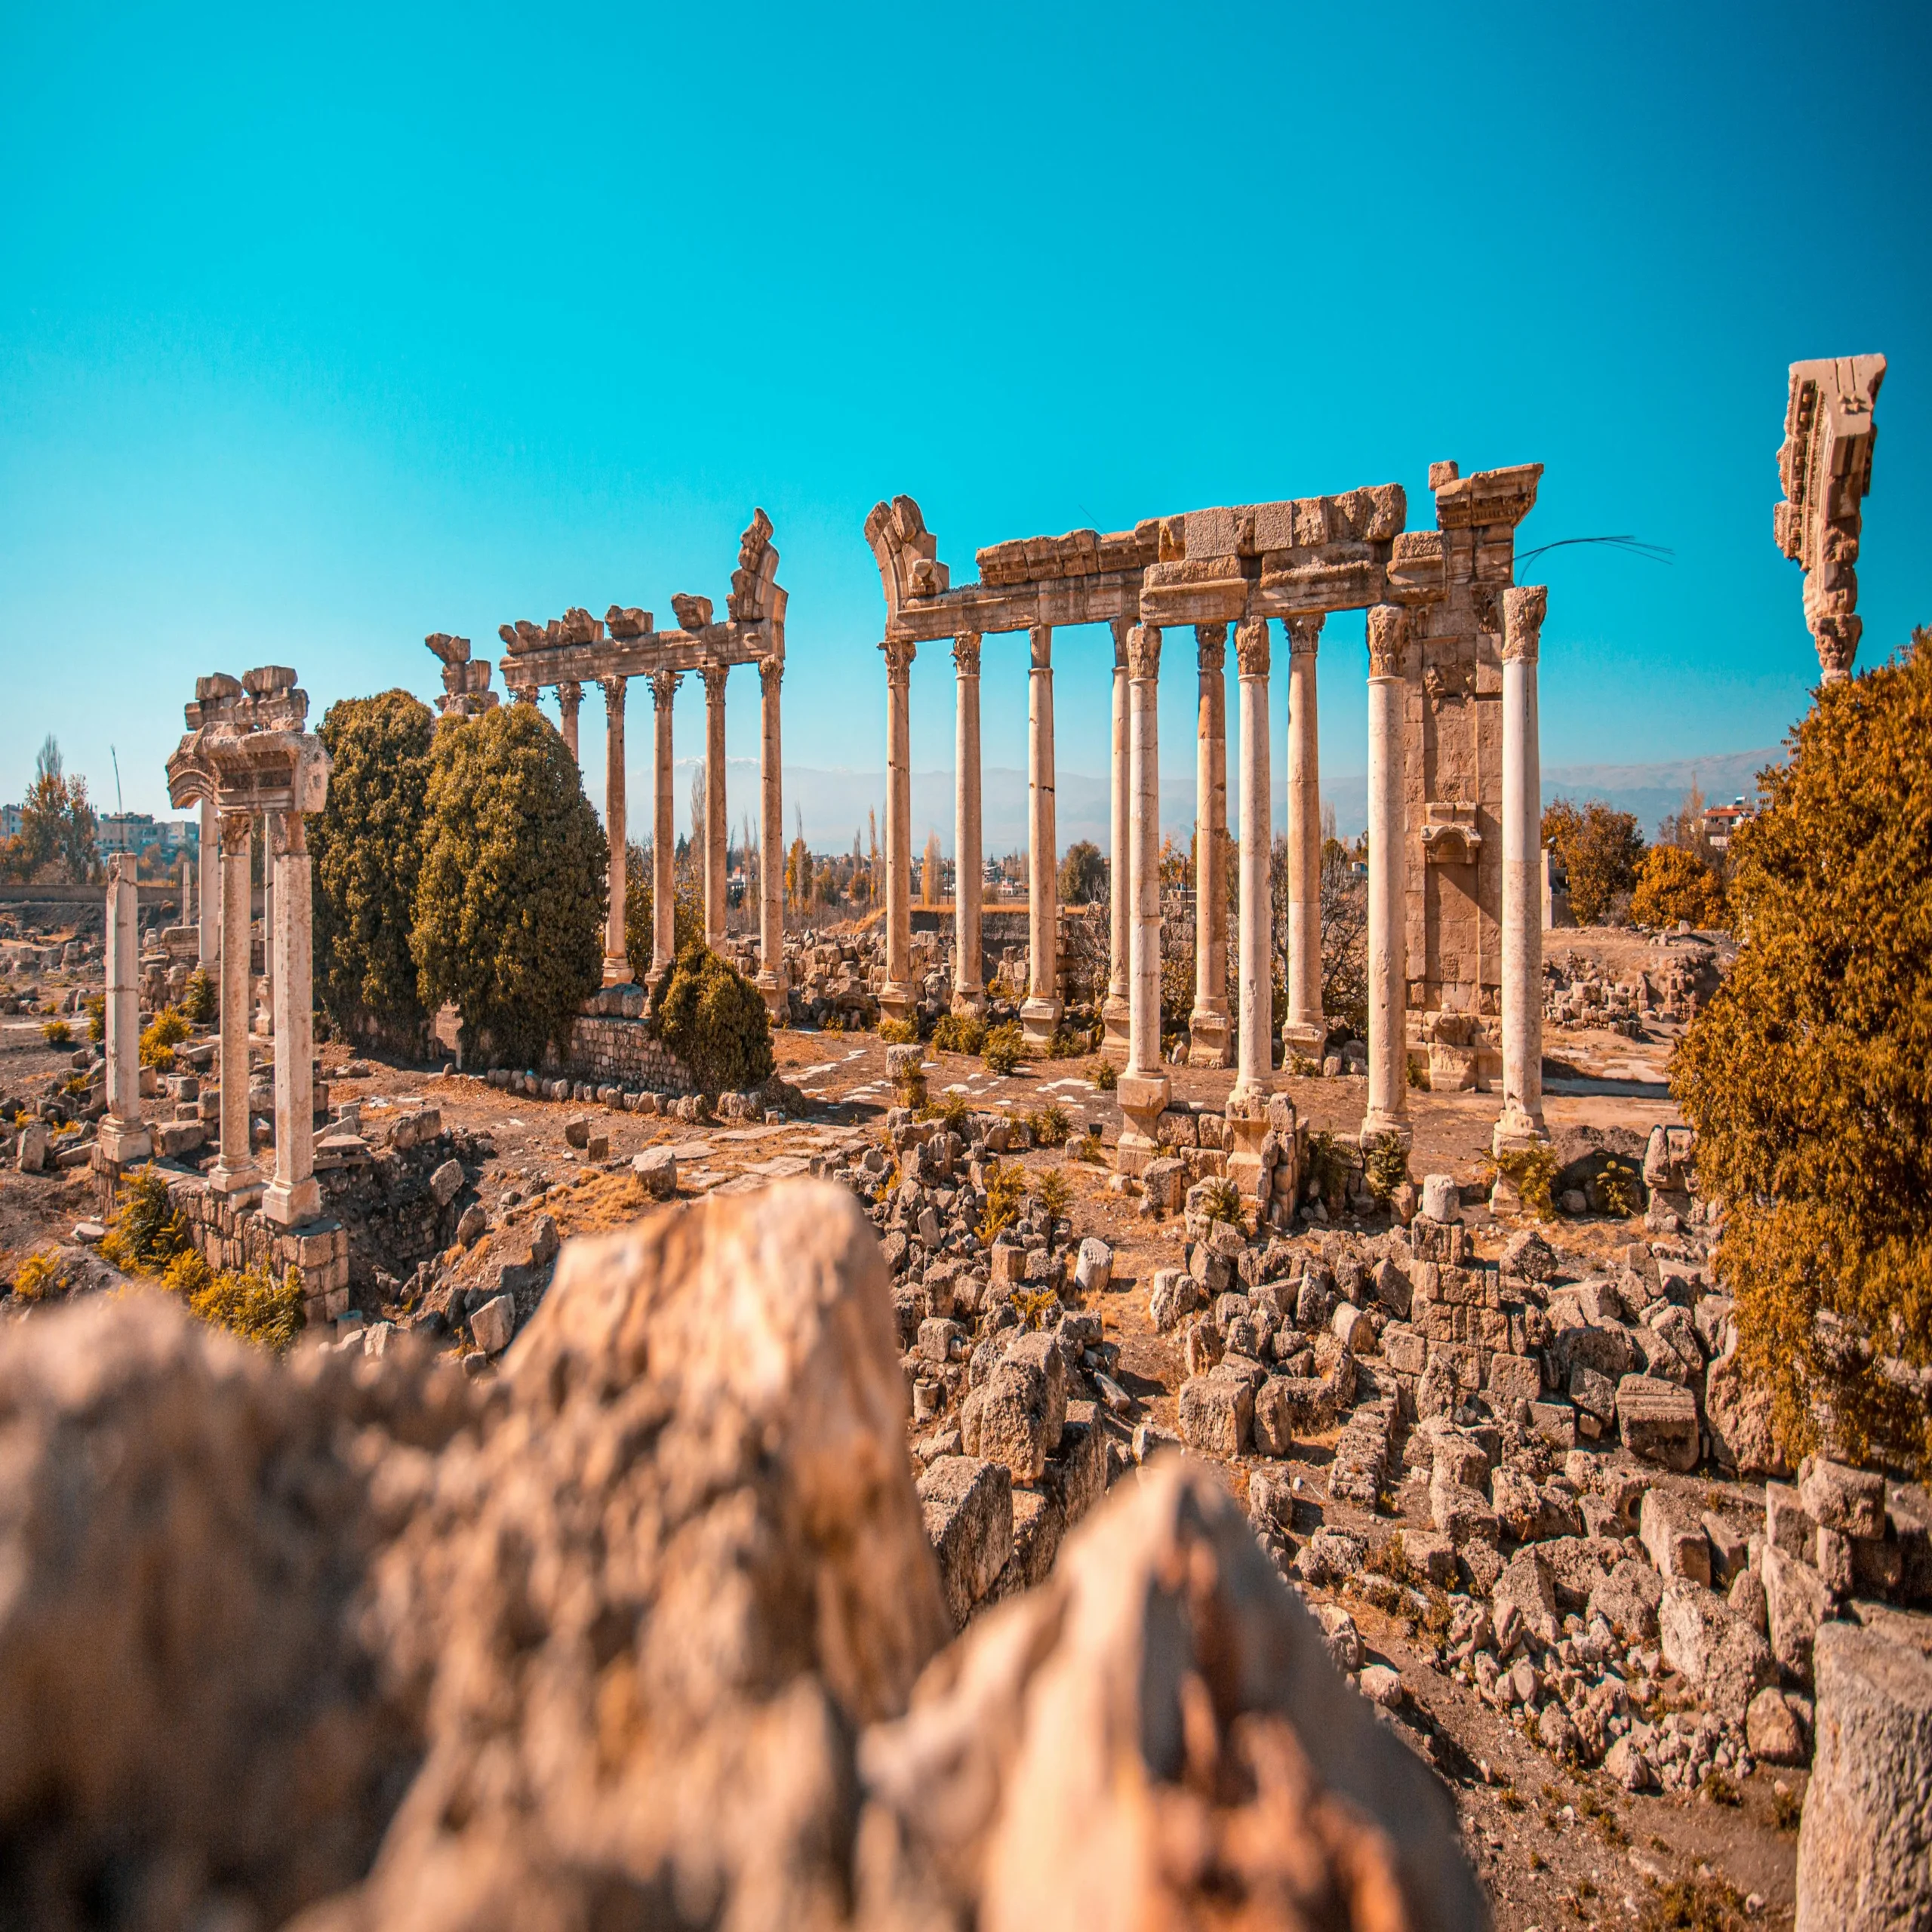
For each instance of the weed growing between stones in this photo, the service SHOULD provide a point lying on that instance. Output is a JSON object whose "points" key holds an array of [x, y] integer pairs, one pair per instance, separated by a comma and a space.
{"points": [[57, 1033], [1004, 1047], [1385, 1167], [1532, 1172], [199, 1002], [161, 1036], [1006, 1188], [1105, 1075], [956, 1033], [146, 1234], [249, 1302]]}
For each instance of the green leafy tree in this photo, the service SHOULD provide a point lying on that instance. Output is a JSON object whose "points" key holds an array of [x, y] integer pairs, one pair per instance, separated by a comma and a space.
{"points": [[510, 899], [1673, 883], [714, 1020], [367, 846], [1083, 874], [1806, 1075], [1599, 848], [58, 835], [640, 899]]}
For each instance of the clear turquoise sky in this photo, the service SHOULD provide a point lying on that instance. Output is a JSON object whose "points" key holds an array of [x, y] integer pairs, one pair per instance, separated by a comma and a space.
{"points": [[321, 330]]}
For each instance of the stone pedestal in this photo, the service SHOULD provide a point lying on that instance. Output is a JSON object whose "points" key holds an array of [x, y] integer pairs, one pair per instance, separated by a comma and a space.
{"points": [[235, 1172], [717, 813], [208, 868], [1208, 1023], [1120, 897], [969, 991], [771, 980], [1257, 964], [895, 998], [1521, 1124], [664, 831], [123, 1140], [616, 966], [1388, 882], [294, 1196], [1040, 1015], [1143, 1090], [1261, 1155], [1306, 1030], [569, 700]]}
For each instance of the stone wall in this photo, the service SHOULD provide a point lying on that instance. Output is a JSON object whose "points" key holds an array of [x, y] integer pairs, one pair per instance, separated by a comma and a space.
{"points": [[622, 1052], [238, 1237]]}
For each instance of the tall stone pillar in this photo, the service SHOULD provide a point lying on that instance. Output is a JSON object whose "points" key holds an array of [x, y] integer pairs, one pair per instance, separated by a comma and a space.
{"points": [[969, 992], [663, 831], [1143, 1090], [271, 835], [717, 822], [897, 1000], [1120, 897], [235, 1171], [123, 1140], [1388, 882], [771, 981], [208, 866], [1305, 1031], [1039, 1017], [294, 1196], [1521, 1124], [1256, 1029], [569, 696], [1208, 1023], [616, 967]]}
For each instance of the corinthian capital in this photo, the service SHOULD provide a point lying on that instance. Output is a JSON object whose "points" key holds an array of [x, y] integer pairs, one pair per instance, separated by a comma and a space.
{"points": [[1251, 651], [714, 676], [664, 687], [1523, 609], [1143, 651], [966, 654], [1304, 634], [899, 656], [1210, 646], [770, 674], [613, 695], [1040, 637], [1388, 638], [1122, 628]]}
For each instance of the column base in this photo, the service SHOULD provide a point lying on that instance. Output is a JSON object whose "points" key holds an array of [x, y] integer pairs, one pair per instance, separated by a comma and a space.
{"points": [[1518, 1129], [1039, 1021], [896, 1002], [777, 999], [1143, 1099], [1377, 1126], [617, 970], [969, 998], [1210, 1037], [124, 1144], [290, 1207], [1308, 1037], [1116, 1017], [244, 1178]]}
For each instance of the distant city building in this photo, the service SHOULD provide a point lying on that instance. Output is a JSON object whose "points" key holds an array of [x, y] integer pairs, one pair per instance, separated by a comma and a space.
{"points": [[10, 817], [136, 831], [1720, 821]]}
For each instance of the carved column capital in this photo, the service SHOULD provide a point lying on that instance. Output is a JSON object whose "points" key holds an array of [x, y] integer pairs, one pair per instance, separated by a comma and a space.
{"points": [[1143, 651], [899, 656], [1040, 637], [1251, 649], [1210, 646], [1122, 628], [287, 835], [570, 695], [613, 695], [714, 676], [664, 687], [522, 693], [966, 654], [1524, 606], [1387, 639], [1836, 635], [1304, 634], [770, 674], [237, 828]]}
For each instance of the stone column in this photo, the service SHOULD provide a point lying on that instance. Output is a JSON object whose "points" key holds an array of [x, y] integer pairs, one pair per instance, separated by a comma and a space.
{"points": [[1388, 882], [969, 992], [569, 697], [294, 1195], [1039, 1017], [664, 832], [1521, 1124], [1257, 813], [271, 836], [616, 967], [1305, 1031], [1143, 1092], [208, 866], [1120, 895], [235, 1171], [896, 1000], [717, 827], [1208, 1023], [123, 1138], [771, 980]]}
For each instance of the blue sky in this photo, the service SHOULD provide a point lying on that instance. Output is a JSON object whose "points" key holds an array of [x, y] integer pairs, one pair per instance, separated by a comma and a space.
{"points": [[321, 330]]}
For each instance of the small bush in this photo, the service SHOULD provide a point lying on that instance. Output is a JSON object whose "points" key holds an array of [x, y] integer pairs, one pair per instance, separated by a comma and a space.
{"points": [[1087, 1147], [1620, 1190], [1531, 1171], [1006, 1188], [251, 1304], [198, 1001], [1005, 1048], [1033, 1305], [1105, 1075], [1385, 1167], [1065, 1045], [57, 1033], [1329, 1167], [1674, 885], [715, 1020], [953, 1114], [1049, 1126], [1221, 1201], [161, 1036], [898, 1033], [960, 1033], [1418, 1076], [146, 1234], [38, 1276], [1054, 1193], [1694, 1904], [911, 1087], [96, 1010]]}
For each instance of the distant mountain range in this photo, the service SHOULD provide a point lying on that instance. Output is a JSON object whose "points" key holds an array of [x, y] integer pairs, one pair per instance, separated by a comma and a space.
{"points": [[832, 804]]}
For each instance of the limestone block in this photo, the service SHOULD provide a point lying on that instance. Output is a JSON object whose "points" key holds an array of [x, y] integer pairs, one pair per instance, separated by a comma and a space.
{"points": [[1352, 1327], [656, 1170], [1527, 1586], [1176, 1295], [1713, 1649], [446, 1184], [1658, 1421], [1839, 1497], [1772, 1730], [1004, 1419], [968, 1506], [1217, 1411], [494, 1323], [1672, 1531], [1796, 1602], [1627, 1600], [1093, 1270], [1512, 1378], [1163, 1184], [31, 1155], [1865, 1845]]}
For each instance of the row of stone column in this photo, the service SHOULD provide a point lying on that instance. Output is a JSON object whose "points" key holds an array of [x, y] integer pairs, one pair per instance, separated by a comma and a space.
{"points": [[618, 968], [292, 1195], [1132, 1009]]}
